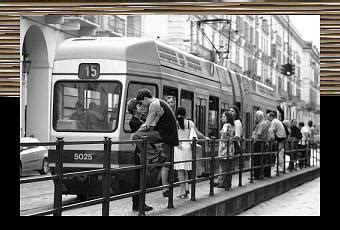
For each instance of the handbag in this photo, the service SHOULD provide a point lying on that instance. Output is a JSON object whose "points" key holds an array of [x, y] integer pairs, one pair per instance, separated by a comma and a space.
{"points": [[192, 133]]}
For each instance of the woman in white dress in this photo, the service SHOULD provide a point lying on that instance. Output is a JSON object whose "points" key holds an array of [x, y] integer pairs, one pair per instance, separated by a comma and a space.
{"points": [[183, 151]]}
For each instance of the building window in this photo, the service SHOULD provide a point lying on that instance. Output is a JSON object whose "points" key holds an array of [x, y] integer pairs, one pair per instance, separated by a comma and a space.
{"points": [[251, 39], [117, 25], [257, 39], [237, 61]]}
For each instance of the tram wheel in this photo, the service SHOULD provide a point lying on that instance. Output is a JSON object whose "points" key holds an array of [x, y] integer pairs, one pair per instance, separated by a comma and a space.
{"points": [[82, 197]]}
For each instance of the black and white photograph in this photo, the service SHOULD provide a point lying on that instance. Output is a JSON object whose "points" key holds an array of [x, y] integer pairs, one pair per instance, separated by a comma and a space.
{"points": [[169, 115]]}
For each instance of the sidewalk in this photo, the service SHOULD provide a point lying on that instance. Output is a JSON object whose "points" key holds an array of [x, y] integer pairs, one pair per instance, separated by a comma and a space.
{"points": [[182, 206]]}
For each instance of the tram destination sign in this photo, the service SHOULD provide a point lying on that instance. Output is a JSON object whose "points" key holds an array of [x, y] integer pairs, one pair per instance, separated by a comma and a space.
{"points": [[89, 71]]}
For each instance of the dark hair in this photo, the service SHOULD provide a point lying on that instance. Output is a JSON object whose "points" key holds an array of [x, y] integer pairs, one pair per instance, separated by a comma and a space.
{"points": [[310, 123], [143, 93], [132, 105], [170, 97], [237, 116], [230, 118], [180, 114], [301, 124], [271, 114]]}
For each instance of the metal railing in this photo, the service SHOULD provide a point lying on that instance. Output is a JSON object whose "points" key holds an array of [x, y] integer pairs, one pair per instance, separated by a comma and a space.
{"points": [[309, 156]]}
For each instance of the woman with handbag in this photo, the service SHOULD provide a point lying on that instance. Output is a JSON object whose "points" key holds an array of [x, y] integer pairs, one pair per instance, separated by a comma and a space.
{"points": [[186, 130], [226, 149]]}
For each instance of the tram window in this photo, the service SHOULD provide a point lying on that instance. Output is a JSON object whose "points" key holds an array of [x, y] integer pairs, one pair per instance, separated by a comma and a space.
{"points": [[200, 114], [213, 117], [133, 88], [238, 105], [84, 106], [172, 94], [187, 99]]}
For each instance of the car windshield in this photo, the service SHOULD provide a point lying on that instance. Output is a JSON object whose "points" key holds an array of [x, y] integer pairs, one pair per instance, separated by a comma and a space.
{"points": [[86, 106]]}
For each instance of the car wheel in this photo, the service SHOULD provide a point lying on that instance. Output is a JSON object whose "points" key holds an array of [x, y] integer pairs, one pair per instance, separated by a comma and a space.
{"points": [[44, 169], [82, 197]]}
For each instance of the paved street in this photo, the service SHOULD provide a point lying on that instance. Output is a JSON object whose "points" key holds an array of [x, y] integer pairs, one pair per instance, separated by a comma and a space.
{"points": [[301, 201]]}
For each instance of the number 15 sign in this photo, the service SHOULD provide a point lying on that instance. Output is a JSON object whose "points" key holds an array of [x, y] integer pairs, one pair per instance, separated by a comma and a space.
{"points": [[89, 71]]}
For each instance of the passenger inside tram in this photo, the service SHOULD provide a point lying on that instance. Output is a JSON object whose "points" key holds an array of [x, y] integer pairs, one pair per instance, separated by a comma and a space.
{"points": [[94, 116], [79, 116]]}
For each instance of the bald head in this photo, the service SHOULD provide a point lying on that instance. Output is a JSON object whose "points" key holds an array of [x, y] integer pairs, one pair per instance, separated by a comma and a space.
{"points": [[259, 115]]}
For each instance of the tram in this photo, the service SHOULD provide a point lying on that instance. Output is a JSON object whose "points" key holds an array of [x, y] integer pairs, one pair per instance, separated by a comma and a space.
{"points": [[100, 74]]}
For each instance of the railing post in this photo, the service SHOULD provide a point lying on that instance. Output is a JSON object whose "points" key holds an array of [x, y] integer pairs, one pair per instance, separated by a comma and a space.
{"points": [[193, 183], [59, 181], [212, 169], [261, 176], [277, 159], [270, 157], [297, 152], [240, 165], [142, 177], [226, 164], [106, 177], [307, 154], [251, 160], [284, 156], [171, 178]]}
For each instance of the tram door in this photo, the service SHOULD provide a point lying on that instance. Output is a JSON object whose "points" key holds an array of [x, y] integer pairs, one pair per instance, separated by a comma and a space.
{"points": [[213, 117], [247, 132], [200, 114], [200, 122]]}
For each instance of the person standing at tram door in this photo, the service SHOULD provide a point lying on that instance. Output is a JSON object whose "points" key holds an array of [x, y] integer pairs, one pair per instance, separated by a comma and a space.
{"points": [[260, 136], [135, 108], [296, 137], [235, 112], [171, 101], [280, 136], [183, 152], [303, 144], [165, 131], [226, 149], [311, 140]]}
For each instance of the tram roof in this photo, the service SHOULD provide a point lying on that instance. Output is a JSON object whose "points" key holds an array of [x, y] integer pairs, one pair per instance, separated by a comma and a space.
{"points": [[115, 48], [120, 48], [136, 49]]}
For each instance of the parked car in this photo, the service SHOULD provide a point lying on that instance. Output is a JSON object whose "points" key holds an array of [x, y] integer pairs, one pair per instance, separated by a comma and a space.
{"points": [[33, 158]]}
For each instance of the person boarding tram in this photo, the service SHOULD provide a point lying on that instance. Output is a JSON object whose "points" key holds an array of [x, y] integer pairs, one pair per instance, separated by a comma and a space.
{"points": [[164, 131]]}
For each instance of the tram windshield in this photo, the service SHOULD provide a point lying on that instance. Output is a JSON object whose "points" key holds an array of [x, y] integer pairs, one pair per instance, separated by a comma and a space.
{"points": [[83, 106]]}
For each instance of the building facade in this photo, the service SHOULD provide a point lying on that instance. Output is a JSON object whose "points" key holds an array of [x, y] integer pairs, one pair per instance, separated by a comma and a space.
{"points": [[254, 45]]}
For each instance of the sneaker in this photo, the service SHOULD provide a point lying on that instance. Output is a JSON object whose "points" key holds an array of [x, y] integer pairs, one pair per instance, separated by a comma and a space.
{"points": [[146, 208], [216, 184], [166, 193], [221, 186]]}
